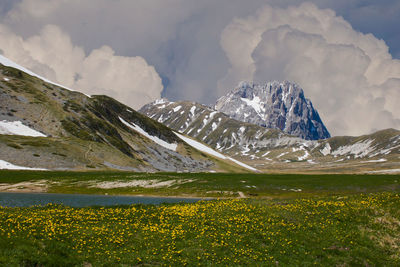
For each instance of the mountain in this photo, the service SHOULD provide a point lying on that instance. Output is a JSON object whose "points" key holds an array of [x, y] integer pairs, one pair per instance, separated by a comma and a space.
{"points": [[276, 105], [214, 128], [272, 150], [46, 126]]}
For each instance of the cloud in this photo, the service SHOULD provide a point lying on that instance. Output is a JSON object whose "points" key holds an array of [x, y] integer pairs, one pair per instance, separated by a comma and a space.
{"points": [[128, 79], [52, 54], [182, 39], [179, 37], [350, 77]]}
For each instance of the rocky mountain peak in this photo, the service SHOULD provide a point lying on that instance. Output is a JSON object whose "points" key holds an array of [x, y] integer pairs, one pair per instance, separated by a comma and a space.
{"points": [[277, 105]]}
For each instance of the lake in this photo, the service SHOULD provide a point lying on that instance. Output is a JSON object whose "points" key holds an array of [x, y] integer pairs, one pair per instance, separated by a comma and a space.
{"points": [[77, 200]]}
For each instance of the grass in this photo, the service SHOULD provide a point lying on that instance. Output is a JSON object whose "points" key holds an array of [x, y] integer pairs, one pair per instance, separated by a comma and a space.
{"points": [[212, 184], [335, 220], [356, 230]]}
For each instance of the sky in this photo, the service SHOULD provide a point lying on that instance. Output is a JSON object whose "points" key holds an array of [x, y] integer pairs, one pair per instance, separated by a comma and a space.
{"points": [[345, 54]]}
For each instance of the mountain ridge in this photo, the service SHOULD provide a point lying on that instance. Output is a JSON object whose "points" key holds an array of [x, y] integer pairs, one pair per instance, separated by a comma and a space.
{"points": [[273, 150], [74, 131], [277, 105]]}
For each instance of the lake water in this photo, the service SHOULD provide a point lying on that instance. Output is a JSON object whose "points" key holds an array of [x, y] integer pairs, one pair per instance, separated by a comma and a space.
{"points": [[77, 200]]}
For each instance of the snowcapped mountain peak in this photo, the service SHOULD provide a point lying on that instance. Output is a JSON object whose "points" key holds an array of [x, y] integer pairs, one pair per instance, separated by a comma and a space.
{"points": [[278, 105]]}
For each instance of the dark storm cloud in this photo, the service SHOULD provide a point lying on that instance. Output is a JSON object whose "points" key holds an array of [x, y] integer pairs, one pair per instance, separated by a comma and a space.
{"points": [[6, 5]]}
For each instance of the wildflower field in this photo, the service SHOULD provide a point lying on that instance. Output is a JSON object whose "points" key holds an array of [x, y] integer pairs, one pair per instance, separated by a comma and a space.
{"points": [[347, 230]]}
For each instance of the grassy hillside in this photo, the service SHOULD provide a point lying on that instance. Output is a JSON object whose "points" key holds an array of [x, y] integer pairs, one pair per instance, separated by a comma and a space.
{"points": [[86, 133]]}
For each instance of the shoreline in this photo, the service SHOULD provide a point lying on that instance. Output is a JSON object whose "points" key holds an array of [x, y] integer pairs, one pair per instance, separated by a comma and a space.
{"points": [[25, 191]]}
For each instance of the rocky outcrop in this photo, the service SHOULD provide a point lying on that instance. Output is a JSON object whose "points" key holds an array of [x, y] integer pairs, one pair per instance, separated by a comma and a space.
{"points": [[277, 105]]}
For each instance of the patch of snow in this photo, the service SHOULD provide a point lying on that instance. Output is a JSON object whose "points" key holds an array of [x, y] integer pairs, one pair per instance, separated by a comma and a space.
{"points": [[190, 131], [282, 154], [175, 109], [305, 156], [295, 190], [326, 150], [17, 128], [153, 138], [212, 114], [218, 146], [160, 101], [284, 96], [129, 110], [377, 160], [384, 151], [386, 171], [243, 164], [254, 157], [255, 103], [182, 112], [192, 110], [161, 107], [242, 129], [6, 79], [359, 149], [214, 126], [295, 149], [200, 146], [266, 153], [208, 150], [9, 166], [245, 150]]}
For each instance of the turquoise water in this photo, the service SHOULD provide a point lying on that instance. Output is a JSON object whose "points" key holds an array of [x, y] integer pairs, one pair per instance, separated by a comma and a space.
{"points": [[77, 200]]}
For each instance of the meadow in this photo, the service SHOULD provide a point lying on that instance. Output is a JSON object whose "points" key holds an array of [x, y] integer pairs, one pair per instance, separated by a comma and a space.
{"points": [[356, 230], [205, 184], [335, 220]]}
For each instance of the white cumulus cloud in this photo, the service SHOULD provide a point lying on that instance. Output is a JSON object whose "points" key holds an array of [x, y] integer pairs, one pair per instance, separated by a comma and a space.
{"points": [[52, 54], [350, 77]]}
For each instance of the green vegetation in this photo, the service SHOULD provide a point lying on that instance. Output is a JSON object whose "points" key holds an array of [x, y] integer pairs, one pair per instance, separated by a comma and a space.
{"points": [[16, 146], [342, 220], [356, 230], [210, 184]]}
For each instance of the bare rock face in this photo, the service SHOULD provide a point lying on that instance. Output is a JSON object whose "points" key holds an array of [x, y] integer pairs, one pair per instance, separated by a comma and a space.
{"points": [[277, 105]]}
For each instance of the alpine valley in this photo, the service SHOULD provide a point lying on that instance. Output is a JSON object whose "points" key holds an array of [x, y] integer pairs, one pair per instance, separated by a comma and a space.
{"points": [[254, 128], [274, 128]]}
